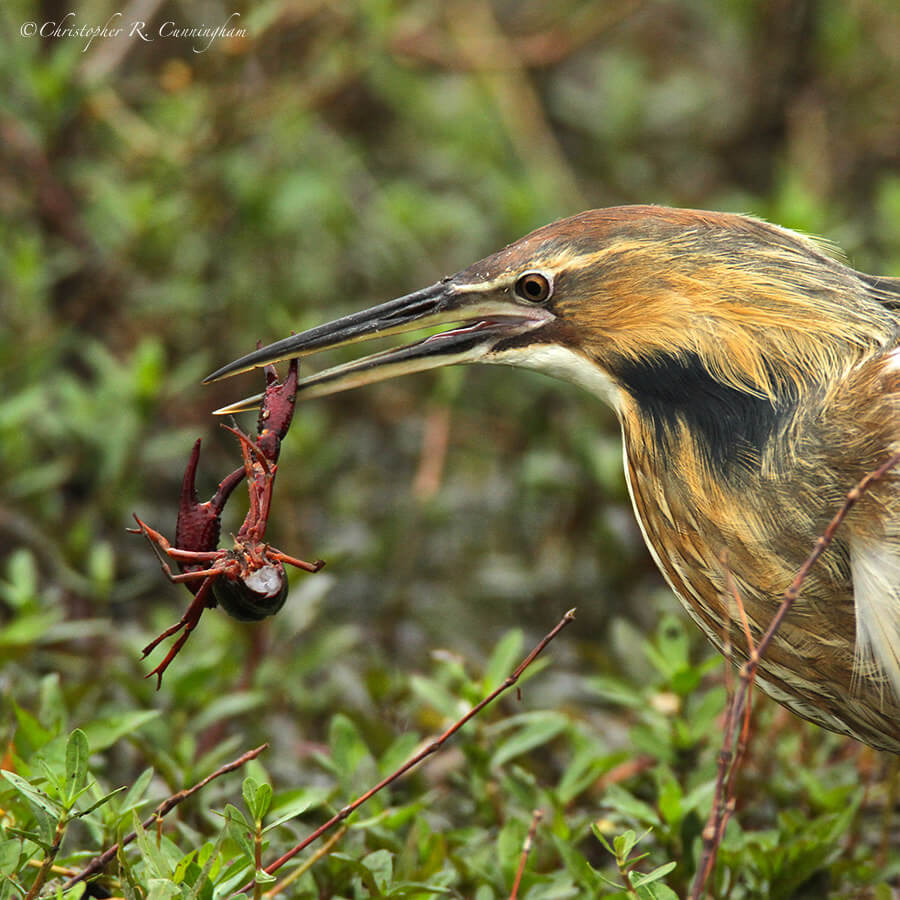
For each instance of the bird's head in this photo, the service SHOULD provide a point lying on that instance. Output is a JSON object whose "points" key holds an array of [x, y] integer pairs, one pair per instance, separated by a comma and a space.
{"points": [[658, 309]]}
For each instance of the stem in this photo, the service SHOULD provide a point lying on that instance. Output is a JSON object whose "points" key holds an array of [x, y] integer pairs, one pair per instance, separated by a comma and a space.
{"points": [[739, 705], [431, 748], [257, 858], [307, 864], [47, 863], [526, 849], [96, 864]]}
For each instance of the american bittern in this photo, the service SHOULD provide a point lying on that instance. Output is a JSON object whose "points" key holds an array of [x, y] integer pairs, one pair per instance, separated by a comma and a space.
{"points": [[756, 379]]}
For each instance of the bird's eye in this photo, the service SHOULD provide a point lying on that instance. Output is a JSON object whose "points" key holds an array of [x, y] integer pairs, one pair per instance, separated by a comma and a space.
{"points": [[535, 287]]}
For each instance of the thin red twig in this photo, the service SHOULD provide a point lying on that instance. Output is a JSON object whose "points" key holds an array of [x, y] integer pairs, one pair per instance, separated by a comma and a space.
{"points": [[427, 751], [526, 850], [96, 864], [739, 707]]}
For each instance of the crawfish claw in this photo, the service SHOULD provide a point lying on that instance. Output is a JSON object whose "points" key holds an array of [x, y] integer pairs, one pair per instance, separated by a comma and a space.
{"points": [[276, 410], [198, 524]]}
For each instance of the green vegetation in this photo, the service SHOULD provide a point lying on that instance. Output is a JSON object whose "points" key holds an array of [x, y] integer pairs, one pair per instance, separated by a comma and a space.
{"points": [[160, 211]]}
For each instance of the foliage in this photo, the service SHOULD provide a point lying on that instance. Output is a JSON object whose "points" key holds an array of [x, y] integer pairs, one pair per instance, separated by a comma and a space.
{"points": [[456, 827], [161, 211]]}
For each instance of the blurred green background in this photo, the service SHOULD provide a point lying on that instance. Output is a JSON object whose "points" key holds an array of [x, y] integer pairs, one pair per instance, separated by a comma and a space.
{"points": [[163, 209]]}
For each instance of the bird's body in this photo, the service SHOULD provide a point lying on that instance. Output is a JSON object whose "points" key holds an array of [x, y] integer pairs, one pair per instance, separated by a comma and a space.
{"points": [[756, 379]]}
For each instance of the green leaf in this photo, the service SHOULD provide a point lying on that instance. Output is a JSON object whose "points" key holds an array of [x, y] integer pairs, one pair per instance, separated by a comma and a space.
{"points": [[381, 864], [127, 877], [229, 706], [101, 566], [624, 844], [212, 858], [704, 710], [153, 857], [263, 800], [31, 729], [685, 681], [104, 799], [616, 691], [10, 851], [137, 790], [257, 797], [669, 798], [35, 796], [364, 872], [240, 831], [233, 814], [291, 804], [595, 828], [656, 891], [22, 571], [54, 776], [103, 733], [28, 629], [576, 864], [348, 750], [626, 804], [77, 892], [400, 751], [184, 866], [238, 872], [532, 730], [585, 767], [43, 840], [77, 755], [669, 653], [162, 889], [640, 880], [53, 712], [248, 792], [504, 659], [437, 696]]}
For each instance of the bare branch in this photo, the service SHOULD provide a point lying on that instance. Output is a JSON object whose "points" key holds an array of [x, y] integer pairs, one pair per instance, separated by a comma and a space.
{"points": [[427, 751], [96, 864], [526, 850]]}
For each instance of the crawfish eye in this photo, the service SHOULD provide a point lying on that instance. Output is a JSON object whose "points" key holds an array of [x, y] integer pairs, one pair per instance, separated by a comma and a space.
{"points": [[534, 287]]}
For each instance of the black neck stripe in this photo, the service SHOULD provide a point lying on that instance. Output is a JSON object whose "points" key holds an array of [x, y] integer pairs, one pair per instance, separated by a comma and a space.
{"points": [[731, 427]]}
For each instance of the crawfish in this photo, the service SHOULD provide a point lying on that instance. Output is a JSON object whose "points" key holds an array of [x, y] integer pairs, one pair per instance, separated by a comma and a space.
{"points": [[248, 581]]}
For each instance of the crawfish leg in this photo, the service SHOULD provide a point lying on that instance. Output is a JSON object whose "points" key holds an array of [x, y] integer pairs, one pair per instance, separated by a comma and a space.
{"points": [[203, 599], [163, 550], [260, 479], [250, 450], [293, 561], [158, 542]]}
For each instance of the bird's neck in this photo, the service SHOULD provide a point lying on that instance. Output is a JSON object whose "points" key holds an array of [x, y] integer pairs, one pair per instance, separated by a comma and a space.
{"points": [[675, 399], [734, 470]]}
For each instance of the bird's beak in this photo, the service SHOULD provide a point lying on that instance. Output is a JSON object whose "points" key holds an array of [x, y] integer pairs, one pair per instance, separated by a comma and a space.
{"points": [[483, 319]]}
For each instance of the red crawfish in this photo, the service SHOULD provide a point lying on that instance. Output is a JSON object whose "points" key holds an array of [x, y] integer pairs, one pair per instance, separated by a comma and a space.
{"points": [[248, 581]]}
